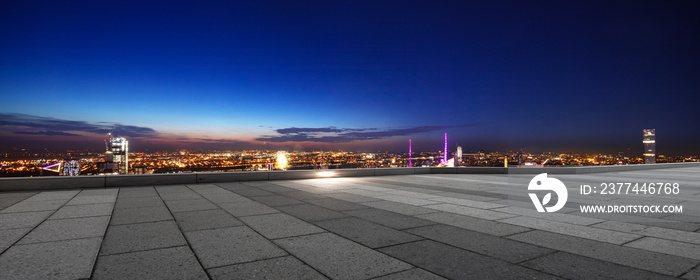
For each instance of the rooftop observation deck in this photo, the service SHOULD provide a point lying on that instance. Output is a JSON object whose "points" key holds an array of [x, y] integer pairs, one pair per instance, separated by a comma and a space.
{"points": [[425, 225]]}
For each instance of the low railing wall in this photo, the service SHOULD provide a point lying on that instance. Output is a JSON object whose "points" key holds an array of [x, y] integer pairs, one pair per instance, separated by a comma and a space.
{"points": [[109, 181]]}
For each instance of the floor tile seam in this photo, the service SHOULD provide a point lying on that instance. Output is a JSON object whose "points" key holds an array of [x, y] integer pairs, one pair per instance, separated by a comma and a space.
{"points": [[144, 250], [81, 217], [420, 238], [20, 201], [491, 209], [378, 224], [104, 235], [61, 240], [608, 261], [457, 248], [553, 251], [626, 245], [137, 223], [64, 204], [550, 231], [38, 224], [182, 233], [351, 241], [500, 220], [122, 207], [401, 271], [643, 235], [247, 262], [299, 235], [282, 248], [485, 255], [697, 266]]}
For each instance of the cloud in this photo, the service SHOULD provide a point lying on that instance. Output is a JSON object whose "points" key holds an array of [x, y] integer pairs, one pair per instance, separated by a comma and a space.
{"points": [[37, 125], [47, 133], [344, 135], [307, 130]]}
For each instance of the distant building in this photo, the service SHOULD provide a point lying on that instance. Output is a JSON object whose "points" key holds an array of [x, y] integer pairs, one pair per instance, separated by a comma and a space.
{"points": [[458, 156], [649, 140], [116, 156]]}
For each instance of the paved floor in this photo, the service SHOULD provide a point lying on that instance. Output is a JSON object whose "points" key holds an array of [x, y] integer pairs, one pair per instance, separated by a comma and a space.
{"points": [[393, 227]]}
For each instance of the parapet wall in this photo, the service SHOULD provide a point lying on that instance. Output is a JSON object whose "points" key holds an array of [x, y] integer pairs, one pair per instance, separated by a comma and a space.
{"points": [[110, 181]]}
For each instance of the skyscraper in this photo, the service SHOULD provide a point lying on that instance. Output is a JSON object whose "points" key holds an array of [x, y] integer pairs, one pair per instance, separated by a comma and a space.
{"points": [[458, 156], [649, 140], [119, 148]]}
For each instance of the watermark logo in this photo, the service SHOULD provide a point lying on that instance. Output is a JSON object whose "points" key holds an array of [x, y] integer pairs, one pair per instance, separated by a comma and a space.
{"points": [[542, 183]]}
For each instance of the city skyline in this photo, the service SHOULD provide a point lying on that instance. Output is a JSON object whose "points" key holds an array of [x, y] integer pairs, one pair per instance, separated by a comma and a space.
{"points": [[360, 76]]}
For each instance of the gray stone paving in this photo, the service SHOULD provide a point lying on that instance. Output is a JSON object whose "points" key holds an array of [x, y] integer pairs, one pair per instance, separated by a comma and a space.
{"points": [[432, 226]]}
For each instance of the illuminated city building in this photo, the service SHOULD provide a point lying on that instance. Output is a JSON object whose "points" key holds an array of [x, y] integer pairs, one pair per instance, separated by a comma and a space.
{"points": [[116, 156], [458, 156], [649, 140], [445, 154]]}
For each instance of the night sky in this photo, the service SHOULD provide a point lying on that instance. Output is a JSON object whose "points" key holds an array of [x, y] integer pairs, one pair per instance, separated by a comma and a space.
{"points": [[579, 76]]}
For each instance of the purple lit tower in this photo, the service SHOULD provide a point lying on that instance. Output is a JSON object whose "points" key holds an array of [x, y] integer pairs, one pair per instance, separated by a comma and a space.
{"points": [[445, 159], [410, 154]]}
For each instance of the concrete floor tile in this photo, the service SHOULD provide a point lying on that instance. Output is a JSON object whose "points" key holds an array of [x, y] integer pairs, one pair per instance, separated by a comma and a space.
{"points": [[137, 192], [604, 235], [303, 195], [399, 207], [227, 197], [141, 237], [352, 197], [557, 217], [664, 233], [85, 210], [34, 206], [22, 219], [207, 219], [388, 218], [366, 233], [485, 226], [670, 247], [310, 213], [252, 192], [247, 208], [497, 247], [54, 195], [467, 202], [277, 268], [100, 191], [177, 193], [10, 236], [227, 246], [411, 274], [135, 202], [65, 229], [140, 215], [68, 259], [167, 263], [277, 200], [92, 199], [336, 204], [573, 266], [471, 212], [190, 205], [693, 274], [280, 225], [637, 258], [454, 263], [339, 258], [9, 199]]}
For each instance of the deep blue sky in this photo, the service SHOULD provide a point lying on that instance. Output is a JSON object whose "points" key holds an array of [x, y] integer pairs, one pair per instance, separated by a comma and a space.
{"points": [[356, 75]]}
